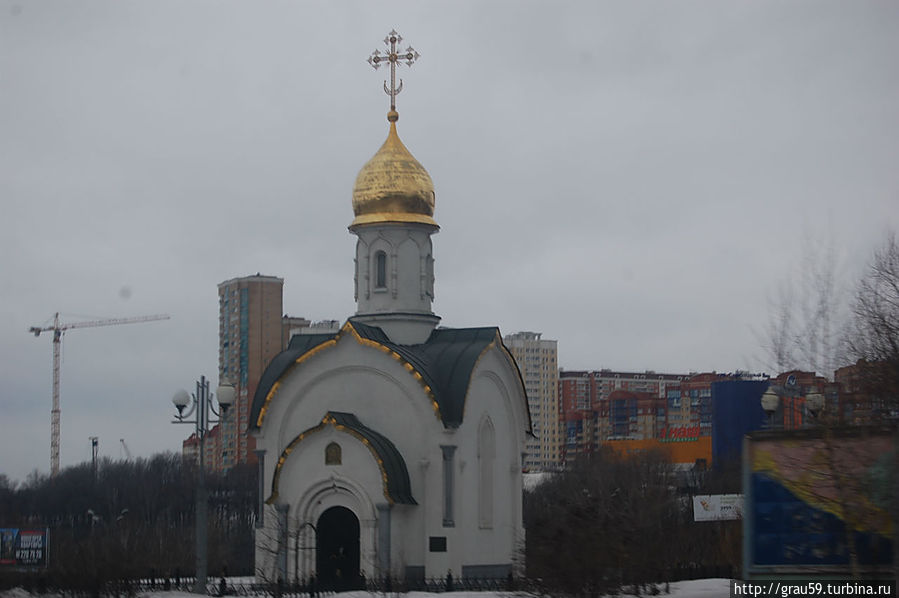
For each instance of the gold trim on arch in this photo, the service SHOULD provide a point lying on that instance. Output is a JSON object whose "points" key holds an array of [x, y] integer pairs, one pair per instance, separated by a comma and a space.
{"points": [[328, 419], [274, 389], [406, 365], [348, 327]]}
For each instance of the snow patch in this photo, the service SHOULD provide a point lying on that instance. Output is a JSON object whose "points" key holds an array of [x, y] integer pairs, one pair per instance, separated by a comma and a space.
{"points": [[698, 588], [532, 480]]}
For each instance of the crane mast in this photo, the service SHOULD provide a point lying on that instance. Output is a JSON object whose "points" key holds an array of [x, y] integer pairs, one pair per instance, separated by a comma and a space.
{"points": [[125, 449], [54, 410], [58, 330]]}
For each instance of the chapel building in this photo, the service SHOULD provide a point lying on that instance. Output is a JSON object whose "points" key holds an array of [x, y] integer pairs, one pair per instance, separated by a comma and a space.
{"points": [[393, 446]]}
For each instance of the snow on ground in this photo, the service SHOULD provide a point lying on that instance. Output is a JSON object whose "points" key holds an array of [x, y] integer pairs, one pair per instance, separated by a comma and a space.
{"points": [[699, 588], [532, 480]]}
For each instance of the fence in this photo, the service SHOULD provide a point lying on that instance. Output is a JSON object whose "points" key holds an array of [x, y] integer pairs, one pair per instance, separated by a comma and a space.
{"points": [[41, 584]]}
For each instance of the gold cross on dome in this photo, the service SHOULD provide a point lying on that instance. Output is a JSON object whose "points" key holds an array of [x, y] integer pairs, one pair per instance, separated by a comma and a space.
{"points": [[394, 57]]}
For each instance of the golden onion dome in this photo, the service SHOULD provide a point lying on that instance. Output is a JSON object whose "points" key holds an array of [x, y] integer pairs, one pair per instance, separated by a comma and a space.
{"points": [[393, 186]]}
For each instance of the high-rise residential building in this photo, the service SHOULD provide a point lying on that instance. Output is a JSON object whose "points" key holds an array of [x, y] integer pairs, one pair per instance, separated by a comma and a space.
{"points": [[590, 416], [674, 413], [538, 361], [252, 330], [251, 333]]}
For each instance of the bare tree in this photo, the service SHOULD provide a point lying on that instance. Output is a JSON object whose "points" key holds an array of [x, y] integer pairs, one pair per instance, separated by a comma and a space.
{"points": [[133, 518], [807, 316], [608, 522], [778, 338], [815, 325], [874, 338], [874, 343]]}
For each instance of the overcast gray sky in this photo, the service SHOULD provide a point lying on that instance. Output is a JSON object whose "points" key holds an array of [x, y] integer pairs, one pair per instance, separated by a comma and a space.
{"points": [[631, 178]]}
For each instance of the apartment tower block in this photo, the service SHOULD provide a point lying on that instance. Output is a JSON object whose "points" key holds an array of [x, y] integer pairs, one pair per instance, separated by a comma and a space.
{"points": [[251, 333], [538, 362]]}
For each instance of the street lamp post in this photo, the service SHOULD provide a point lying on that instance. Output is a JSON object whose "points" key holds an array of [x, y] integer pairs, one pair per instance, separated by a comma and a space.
{"points": [[781, 401], [775, 399], [770, 403], [201, 407], [815, 404]]}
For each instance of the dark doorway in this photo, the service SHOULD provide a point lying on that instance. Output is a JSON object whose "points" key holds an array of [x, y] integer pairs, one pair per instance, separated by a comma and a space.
{"points": [[337, 550]]}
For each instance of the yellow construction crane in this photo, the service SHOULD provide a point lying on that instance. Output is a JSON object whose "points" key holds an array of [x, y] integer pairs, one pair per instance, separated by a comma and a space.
{"points": [[58, 329]]}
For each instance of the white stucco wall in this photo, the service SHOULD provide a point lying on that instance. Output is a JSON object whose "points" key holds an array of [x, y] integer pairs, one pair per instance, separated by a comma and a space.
{"points": [[409, 281], [367, 382], [492, 393]]}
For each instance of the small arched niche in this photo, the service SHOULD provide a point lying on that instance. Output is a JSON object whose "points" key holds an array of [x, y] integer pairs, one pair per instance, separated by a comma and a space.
{"points": [[333, 454]]}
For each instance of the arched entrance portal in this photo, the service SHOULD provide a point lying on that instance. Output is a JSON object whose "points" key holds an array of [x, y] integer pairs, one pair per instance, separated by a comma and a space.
{"points": [[337, 550]]}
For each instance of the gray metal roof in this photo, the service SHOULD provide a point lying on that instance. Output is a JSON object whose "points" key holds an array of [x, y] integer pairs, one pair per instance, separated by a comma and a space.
{"points": [[445, 362]]}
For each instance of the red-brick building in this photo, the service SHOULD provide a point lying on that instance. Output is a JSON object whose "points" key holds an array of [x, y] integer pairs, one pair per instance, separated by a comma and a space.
{"points": [[793, 390], [861, 398], [600, 404], [639, 411]]}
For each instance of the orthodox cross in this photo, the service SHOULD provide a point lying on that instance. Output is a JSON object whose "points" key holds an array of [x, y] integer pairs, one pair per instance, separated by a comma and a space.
{"points": [[394, 57]]}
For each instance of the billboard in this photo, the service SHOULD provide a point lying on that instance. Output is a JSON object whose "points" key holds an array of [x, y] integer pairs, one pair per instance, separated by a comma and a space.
{"points": [[816, 499], [717, 507], [24, 548]]}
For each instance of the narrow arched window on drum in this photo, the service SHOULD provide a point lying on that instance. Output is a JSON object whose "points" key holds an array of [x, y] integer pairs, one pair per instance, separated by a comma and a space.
{"points": [[380, 270]]}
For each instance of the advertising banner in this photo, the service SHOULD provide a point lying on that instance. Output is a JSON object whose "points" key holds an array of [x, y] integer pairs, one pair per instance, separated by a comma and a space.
{"points": [[680, 433], [717, 507], [818, 500], [24, 548]]}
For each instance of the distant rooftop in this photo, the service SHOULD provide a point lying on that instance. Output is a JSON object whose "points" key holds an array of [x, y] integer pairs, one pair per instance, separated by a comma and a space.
{"points": [[525, 336], [252, 278]]}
